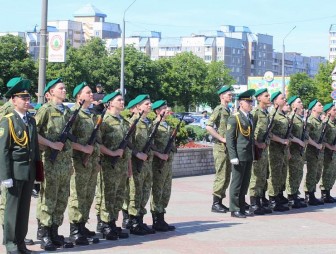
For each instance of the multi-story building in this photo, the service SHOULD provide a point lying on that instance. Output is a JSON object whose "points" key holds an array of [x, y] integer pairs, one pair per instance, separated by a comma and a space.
{"points": [[332, 43]]}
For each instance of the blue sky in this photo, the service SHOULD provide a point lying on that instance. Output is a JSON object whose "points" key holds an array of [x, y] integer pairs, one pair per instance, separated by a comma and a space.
{"points": [[182, 17]]}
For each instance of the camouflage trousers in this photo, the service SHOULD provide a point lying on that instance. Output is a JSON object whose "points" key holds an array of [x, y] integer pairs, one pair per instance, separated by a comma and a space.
{"points": [[111, 189], [161, 188], [54, 192], [259, 175], [140, 185], [285, 170], [223, 170], [276, 157], [329, 170], [82, 190], [295, 170], [314, 168]]}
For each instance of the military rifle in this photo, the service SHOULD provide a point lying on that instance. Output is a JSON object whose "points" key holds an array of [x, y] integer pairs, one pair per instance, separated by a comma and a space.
{"points": [[290, 125], [333, 143], [324, 129], [258, 151], [170, 142], [93, 136], [65, 134], [123, 144], [149, 142], [304, 131]]}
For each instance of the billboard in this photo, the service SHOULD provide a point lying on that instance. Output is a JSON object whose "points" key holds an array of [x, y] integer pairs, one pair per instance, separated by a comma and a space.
{"points": [[56, 47], [273, 85]]}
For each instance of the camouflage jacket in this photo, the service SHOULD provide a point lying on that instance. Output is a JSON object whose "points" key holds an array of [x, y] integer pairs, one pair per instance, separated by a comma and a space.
{"points": [[280, 124], [219, 119], [260, 123], [6, 109], [330, 133], [314, 126]]}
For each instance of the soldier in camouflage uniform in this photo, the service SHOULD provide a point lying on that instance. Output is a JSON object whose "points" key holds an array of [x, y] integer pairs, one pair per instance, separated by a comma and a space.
{"points": [[296, 160], [327, 180], [259, 167], [314, 162], [112, 180], [216, 126], [140, 183], [51, 119], [84, 177], [276, 153], [162, 170]]}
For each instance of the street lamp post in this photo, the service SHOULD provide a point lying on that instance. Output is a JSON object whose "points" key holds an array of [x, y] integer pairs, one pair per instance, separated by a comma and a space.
{"points": [[122, 67], [283, 60]]}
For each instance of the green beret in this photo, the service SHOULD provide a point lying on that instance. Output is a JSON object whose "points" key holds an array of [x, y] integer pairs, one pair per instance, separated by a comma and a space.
{"points": [[110, 96], [130, 104], [158, 104], [260, 91], [51, 84], [247, 95], [13, 82], [224, 89], [292, 99], [140, 98], [274, 95], [78, 89], [312, 104], [328, 106], [37, 106], [21, 86]]}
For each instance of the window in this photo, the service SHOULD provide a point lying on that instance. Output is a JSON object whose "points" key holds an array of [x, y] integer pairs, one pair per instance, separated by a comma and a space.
{"points": [[233, 51], [207, 58], [219, 49], [207, 49]]}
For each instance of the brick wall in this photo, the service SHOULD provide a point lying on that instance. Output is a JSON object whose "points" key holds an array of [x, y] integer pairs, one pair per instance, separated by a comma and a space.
{"points": [[193, 161]]}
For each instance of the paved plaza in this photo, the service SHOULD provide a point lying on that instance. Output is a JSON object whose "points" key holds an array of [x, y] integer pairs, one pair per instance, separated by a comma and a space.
{"points": [[310, 230]]}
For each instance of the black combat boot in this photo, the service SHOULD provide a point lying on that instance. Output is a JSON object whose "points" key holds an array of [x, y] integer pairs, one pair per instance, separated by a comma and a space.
{"points": [[170, 227], [256, 206], [293, 202], [58, 240], [99, 227], [329, 197], [126, 221], [158, 223], [135, 227], [118, 230], [271, 203], [88, 234], [264, 200], [326, 198], [313, 201], [109, 233], [217, 206], [46, 242], [282, 199], [279, 206], [76, 236], [145, 226]]}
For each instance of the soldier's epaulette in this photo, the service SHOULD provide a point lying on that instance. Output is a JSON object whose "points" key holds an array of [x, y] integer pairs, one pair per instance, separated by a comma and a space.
{"points": [[236, 114], [9, 115]]}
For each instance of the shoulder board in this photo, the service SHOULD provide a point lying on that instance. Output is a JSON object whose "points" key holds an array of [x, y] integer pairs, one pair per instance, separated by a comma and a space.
{"points": [[236, 114], [9, 115]]}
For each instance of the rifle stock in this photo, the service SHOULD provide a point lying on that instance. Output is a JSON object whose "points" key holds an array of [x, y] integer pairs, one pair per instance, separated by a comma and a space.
{"points": [[93, 136], [65, 134], [124, 142]]}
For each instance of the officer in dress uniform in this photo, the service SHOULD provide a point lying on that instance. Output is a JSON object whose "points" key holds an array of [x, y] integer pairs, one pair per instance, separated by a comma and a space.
{"points": [[240, 145], [19, 154]]}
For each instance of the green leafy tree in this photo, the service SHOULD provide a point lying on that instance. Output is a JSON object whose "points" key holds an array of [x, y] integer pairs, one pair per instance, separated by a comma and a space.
{"points": [[217, 76], [322, 82], [302, 85], [182, 79], [15, 61]]}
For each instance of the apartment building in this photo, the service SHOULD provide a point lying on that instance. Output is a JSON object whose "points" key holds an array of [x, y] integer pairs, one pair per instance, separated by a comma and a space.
{"points": [[332, 43]]}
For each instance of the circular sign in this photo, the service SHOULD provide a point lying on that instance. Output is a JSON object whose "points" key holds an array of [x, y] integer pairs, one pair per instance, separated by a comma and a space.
{"points": [[333, 95], [56, 42], [268, 76], [333, 85]]}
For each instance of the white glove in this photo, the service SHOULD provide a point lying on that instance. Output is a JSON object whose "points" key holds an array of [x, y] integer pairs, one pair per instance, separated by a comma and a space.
{"points": [[234, 161], [7, 183]]}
